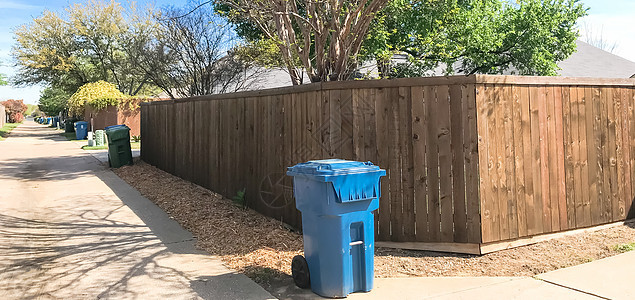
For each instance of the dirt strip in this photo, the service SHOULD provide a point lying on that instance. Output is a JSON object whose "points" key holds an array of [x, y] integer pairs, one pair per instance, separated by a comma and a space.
{"points": [[262, 248]]}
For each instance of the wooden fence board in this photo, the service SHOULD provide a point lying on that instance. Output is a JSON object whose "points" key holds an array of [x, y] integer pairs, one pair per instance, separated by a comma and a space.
{"points": [[561, 187], [572, 155], [519, 163], [537, 123], [552, 160], [501, 180], [619, 201], [458, 121], [396, 205], [627, 102], [471, 159], [407, 175], [583, 215], [526, 127], [484, 109], [382, 111], [432, 151], [510, 171], [445, 163], [606, 99], [419, 137], [596, 171]]}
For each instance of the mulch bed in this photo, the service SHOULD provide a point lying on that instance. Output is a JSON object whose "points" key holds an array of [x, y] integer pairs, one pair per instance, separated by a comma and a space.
{"points": [[262, 248]]}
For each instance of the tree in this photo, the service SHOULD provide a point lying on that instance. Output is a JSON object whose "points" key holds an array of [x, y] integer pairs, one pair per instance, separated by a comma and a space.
{"points": [[3, 78], [475, 36], [15, 109], [98, 94], [597, 39], [84, 44], [321, 38], [189, 54], [53, 100]]}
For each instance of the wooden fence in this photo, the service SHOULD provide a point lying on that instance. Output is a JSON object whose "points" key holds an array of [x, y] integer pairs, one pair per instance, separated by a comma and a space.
{"points": [[470, 161]]}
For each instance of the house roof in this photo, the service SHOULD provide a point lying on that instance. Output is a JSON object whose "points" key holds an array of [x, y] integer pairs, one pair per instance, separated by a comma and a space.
{"points": [[590, 61]]}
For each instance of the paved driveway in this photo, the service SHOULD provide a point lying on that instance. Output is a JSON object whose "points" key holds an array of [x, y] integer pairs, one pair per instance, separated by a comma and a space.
{"points": [[70, 228]]}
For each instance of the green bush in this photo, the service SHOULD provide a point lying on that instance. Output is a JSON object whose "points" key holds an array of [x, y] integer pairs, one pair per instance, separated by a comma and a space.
{"points": [[98, 94]]}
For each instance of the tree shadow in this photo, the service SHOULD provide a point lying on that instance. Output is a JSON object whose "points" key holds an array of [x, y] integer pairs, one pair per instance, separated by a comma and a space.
{"points": [[44, 258], [46, 168]]}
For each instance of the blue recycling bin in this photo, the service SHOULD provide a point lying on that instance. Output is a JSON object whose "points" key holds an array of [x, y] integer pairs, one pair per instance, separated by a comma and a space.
{"points": [[48, 121], [54, 121], [337, 199], [81, 130]]}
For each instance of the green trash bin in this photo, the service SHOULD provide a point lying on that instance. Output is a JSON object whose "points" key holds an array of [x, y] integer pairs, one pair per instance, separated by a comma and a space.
{"points": [[68, 126], [119, 152]]}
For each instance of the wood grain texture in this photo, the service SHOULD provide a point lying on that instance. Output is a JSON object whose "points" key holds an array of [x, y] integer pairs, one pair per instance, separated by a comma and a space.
{"points": [[480, 159]]}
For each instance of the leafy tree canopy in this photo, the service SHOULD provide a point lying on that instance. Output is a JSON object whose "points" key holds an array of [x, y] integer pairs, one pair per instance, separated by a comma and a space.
{"points": [[467, 36], [474, 36], [98, 94], [85, 43], [53, 100], [15, 109]]}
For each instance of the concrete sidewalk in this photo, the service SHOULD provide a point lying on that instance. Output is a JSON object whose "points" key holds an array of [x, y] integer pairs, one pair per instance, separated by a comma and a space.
{"points": [[609, 278], [70, 228]]}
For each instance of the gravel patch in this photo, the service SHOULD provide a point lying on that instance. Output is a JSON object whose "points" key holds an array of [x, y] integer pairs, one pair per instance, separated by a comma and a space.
{"points": [[262, 248]]}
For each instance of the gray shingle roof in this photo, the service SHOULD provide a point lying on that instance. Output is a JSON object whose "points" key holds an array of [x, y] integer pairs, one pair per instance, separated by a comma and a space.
{"points": [[590, 61]]}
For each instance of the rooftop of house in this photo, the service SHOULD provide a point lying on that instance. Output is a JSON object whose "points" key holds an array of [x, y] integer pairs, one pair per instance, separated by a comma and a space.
{"points": [[590, 61]]}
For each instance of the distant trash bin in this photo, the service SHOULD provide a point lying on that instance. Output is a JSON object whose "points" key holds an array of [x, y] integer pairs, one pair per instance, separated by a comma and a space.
{"points": [[54, 121], [68, 126], [100, 138], [81, 130], [91, 139], [119, 152], [48, 121], [337, 199]]}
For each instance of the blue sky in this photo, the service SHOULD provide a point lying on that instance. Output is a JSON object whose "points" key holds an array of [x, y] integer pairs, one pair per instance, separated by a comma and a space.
{"points": [[614, 18]]}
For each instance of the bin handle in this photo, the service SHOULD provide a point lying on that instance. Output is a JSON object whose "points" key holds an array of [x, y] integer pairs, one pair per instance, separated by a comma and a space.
{"points": [[356, 243]]}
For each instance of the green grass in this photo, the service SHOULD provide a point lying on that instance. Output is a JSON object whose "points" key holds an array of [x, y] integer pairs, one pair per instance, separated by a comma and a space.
{"points": [[86, 147], [133, 145], [624, 247], [4, 131]]}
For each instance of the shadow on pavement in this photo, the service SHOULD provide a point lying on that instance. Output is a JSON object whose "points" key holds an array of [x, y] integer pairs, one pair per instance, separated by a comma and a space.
{"points": [[46, 168], [52, 257]]}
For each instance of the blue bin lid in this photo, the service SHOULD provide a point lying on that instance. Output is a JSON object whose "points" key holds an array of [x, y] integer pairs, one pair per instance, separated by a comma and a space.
{"points": [[352, 180], [80, 123], [332, 167]]}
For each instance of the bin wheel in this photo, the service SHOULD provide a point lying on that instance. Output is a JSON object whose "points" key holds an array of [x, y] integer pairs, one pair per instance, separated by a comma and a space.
{"points": [[300, 272]]}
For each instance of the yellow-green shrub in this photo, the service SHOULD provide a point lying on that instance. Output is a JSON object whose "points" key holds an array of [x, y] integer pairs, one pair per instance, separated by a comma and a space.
{"points": [[98, 94]]}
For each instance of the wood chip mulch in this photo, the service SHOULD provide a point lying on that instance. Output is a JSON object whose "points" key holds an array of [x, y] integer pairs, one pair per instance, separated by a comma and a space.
{"points": [[262, 248]]}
